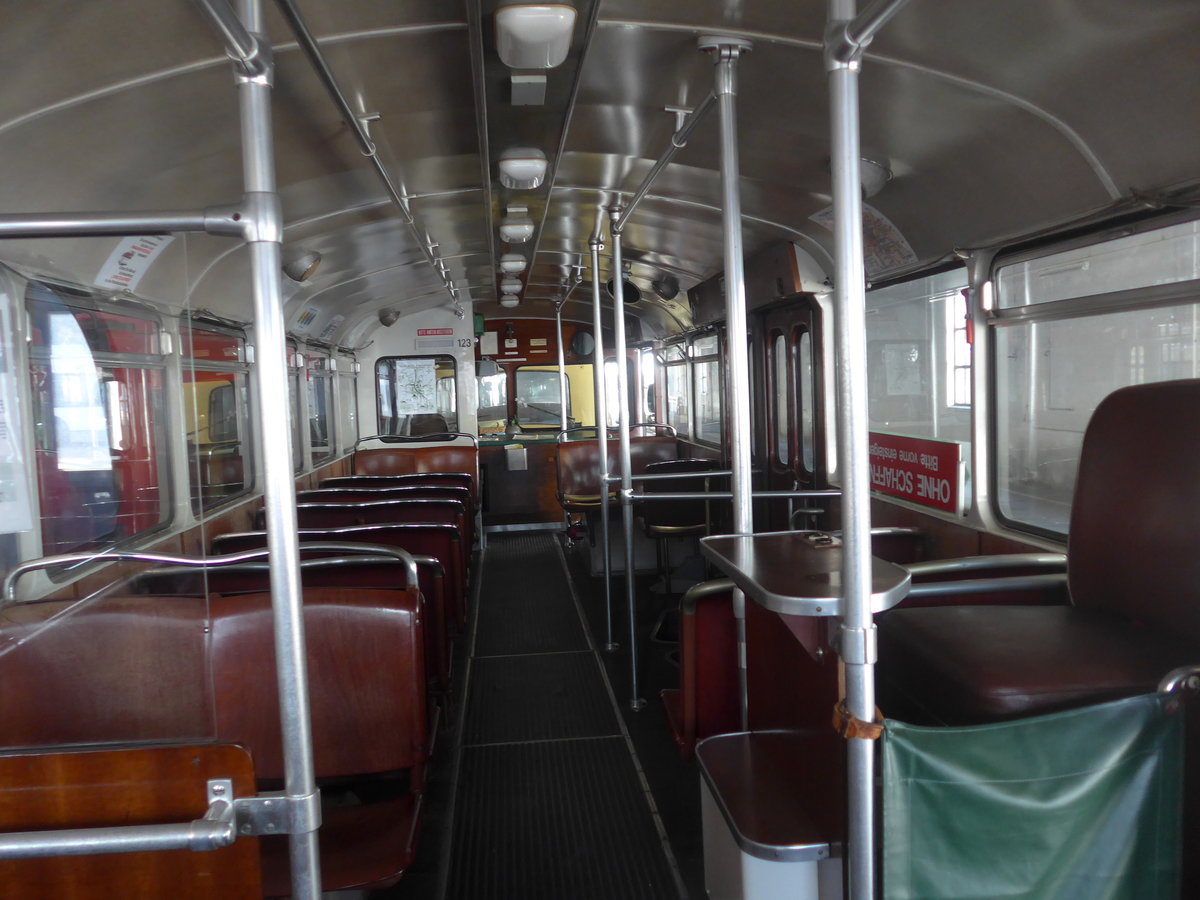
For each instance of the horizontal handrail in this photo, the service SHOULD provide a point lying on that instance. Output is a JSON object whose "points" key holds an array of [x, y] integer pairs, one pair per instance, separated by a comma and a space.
{"points": [[687, 603], [728, 495], [988, 585], [1185, 677], [418, 438], [8, 595], [670, 476], [965, 564], [674, 432], [216, 829]]}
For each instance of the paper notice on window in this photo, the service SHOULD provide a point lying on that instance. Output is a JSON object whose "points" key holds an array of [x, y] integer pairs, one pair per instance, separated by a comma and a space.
{"points": [[130, 260], [15, 512], [416, 386]]}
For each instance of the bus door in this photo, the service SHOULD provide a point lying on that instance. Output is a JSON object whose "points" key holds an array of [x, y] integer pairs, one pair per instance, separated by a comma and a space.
{"points": [[792, 437]]}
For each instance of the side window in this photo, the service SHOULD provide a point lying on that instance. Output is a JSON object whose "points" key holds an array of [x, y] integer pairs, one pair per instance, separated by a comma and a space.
{"points": [[781, 408], [347, 416], [806, 401], [96, 376], [320, 407], [216, 414], [678, 395], [1061, 345], [416, 395], [707, 384]]}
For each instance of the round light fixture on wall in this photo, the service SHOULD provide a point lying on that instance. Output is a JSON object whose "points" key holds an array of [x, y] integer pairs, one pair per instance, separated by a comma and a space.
{"points": [[509, 300], [510, 286], [302, 267]]}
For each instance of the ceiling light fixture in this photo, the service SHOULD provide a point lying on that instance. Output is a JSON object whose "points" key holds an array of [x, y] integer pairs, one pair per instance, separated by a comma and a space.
{"points": [[512, 263], [511, 286], [522, 168], [301, 267], [509, 300], [873, 176], [534, 36], [516, 227]]}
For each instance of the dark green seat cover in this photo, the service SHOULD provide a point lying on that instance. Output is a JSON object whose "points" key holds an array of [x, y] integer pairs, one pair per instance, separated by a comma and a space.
{"points": [[1083, 804]]}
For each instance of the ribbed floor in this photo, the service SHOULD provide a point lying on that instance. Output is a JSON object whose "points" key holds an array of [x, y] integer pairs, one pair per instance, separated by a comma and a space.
{"points": [[526, 606], [555, 820], [537, 698], [549, 801]]}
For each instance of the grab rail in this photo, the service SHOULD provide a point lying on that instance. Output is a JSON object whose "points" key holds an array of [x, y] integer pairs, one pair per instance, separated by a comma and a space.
{"points": [[418, 438], [217, 828], [8, 594]]}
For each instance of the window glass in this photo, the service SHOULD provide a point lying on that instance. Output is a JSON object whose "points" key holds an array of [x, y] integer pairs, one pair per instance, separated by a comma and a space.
{"points": [[1164, 256], [677, 389], [647, 404], [1054, 369], [347, 418], [911, 358], [707, 383], [806, 396], [216, 413], [320, 408], [493, 402], [417, 395], [783, 412], [97, 394], [538, 398], [612, 393]]}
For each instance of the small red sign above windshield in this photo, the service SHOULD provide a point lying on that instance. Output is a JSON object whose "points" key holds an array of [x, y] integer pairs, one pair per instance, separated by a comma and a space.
{"points": [[921, 470]]}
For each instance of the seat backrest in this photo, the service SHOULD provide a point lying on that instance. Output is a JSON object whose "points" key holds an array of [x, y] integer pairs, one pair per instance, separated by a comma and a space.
{"points": [[408, 460], [135, 785], [676, 513], [366, 680], [576, 462], [428, 423], [116, 669], [1136, 511]]}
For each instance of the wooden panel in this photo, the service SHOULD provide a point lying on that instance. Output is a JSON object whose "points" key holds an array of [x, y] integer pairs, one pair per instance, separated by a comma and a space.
{"points": [[129, 786], [522, 496], [788, 687]]}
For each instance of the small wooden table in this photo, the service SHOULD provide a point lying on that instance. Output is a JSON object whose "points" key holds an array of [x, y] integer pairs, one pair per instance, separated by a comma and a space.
{"points": [[799, 573]]}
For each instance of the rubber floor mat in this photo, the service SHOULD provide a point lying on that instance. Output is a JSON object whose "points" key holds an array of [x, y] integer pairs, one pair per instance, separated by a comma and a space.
{"points": [[526, 606], [555, 820], [535, 698]]}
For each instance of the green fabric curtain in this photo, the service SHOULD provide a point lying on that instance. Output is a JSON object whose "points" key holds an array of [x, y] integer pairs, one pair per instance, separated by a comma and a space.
{"points": [[1084, 804]]}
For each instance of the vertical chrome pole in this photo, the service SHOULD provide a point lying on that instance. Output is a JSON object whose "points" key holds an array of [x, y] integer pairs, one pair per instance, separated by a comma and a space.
{"points": [[843, 58], [618, 278], [602, 437], [562, 366], [258, 165], [726, 51]]}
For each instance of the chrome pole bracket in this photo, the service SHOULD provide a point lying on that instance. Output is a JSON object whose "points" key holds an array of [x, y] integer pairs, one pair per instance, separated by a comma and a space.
{"points": [[276, 813]]}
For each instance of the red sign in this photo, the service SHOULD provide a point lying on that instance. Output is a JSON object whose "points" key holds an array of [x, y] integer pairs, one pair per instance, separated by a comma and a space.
{"points": [[917, 469], [429, 332]]}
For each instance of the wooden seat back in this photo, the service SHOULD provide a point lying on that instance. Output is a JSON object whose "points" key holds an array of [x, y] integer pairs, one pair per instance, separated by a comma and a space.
{"points": [[142, 785], [366, 673], [408, 460]]}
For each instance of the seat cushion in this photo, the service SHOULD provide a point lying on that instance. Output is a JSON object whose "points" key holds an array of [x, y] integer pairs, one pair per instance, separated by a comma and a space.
{"points": [[972, 664]]}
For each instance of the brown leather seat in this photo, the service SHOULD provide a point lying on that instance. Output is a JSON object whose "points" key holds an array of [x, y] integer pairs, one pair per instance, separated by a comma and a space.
{"points": [[1133, 572]]}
